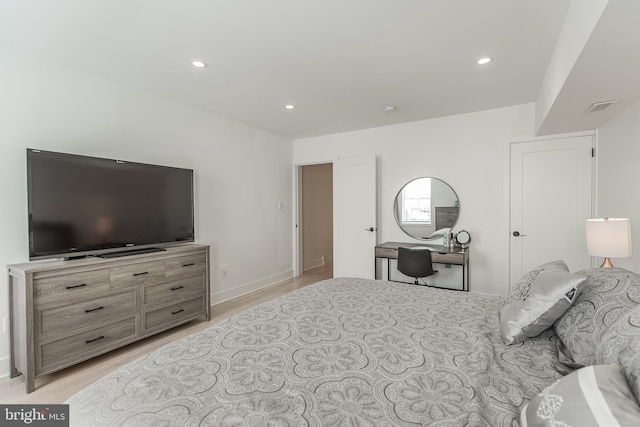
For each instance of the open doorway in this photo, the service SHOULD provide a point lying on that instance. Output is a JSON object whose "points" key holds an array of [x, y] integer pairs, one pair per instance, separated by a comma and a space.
{"points": [[315, 217]]}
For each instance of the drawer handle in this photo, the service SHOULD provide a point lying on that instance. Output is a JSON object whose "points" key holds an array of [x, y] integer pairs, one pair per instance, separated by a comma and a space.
{"points": [[189, 265], [95, 339], [141, 274], [176, 312], [94, 309], [77, 286], [175, 288]]}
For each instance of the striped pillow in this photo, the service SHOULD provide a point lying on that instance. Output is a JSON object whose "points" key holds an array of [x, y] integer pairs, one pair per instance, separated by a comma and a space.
{"points": [[591, 396]]}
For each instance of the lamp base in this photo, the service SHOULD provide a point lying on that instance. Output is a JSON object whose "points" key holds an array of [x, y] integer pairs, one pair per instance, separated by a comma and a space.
{"points": [[606, 263]]}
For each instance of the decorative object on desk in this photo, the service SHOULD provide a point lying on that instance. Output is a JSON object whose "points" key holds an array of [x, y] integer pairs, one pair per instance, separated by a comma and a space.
{"points": [[463, 239], [415, 262], [426, 208], [609, 238]]}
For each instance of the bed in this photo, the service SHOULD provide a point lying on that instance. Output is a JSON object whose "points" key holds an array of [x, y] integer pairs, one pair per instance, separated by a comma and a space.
{"points": [[347, 352]]}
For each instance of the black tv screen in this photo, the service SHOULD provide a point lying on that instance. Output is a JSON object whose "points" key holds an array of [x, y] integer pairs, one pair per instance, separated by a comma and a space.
{"points": [[81, 205]]}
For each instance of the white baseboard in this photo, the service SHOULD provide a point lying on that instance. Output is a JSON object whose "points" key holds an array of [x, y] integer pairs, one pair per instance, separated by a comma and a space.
{"points": [[4, 367], [308, 265], [238, 291]]}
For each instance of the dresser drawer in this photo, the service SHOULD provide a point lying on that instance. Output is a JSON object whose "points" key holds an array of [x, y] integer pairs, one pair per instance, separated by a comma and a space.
{"points": [[68, 288], [447, 258], [135, 274], [386, 253], [452, 211], [165, 317], [156, 296], [87, 344], [186, 266], [96, 312]]}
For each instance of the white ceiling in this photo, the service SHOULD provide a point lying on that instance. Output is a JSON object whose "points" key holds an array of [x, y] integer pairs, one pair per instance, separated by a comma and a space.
{"points": [[339, 61]]}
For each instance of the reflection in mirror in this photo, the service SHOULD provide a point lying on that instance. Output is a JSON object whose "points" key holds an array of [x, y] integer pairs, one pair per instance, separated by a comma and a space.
{"points": [[426, 208]]}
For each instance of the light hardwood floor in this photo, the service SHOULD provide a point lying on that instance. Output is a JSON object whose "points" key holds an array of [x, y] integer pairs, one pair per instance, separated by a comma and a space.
{"points": [[57, 387]]}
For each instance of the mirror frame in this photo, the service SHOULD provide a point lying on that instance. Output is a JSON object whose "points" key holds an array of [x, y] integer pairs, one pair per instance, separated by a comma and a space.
{"points": [[395, 208]]}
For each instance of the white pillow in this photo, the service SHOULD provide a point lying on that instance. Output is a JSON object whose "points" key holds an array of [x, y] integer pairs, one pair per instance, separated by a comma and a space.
{"points": [[439, 233], [594, 396], [539, 298]]}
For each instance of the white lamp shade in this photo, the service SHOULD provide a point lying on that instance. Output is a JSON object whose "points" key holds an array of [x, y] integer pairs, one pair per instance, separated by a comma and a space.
{"points": [[609, 237]]}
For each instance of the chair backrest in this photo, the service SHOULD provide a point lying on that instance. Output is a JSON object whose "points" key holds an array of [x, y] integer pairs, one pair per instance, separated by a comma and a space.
{"points": [[415, 262]]}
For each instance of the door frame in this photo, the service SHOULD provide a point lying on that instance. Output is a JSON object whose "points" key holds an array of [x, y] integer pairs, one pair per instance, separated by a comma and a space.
{"points": [[298, 238], [506, 213]]}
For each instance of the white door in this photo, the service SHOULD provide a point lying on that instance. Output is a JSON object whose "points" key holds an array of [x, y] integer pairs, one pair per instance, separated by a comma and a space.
{"points": [[551, 197], [354, 217]]}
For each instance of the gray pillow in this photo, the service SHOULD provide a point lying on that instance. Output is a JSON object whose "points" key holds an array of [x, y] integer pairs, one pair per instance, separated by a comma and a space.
{"points": [[606, 296], [539, 298], [621, 345], [592, 396]]}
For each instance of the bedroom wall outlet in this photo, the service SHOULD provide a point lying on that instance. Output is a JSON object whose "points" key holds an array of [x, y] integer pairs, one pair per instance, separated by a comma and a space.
{"points": [[225, 270]]}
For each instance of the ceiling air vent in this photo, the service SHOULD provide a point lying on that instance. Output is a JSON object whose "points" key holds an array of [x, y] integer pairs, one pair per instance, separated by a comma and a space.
{"points": [[598, 107]]}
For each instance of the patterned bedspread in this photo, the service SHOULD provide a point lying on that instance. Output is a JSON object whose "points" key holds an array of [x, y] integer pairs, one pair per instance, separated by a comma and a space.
{"points": [[347, 352]]}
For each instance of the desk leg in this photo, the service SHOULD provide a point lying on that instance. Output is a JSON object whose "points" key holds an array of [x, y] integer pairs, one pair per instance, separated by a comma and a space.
{"points": [[466, 277]]}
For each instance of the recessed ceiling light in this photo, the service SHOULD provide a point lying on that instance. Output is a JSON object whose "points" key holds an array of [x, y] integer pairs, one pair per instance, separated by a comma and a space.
{"points": [[289, 106], [198, 64], [483, 61], [390, 108]]}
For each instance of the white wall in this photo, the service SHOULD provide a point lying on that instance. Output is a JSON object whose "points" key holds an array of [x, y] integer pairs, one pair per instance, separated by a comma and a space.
{"points": [[582, 17], [241, 173], [618, 162], [467, 151]]}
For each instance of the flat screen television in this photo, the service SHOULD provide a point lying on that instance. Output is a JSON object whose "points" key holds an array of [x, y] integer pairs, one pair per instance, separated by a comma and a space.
{"points": [[87, 206]]}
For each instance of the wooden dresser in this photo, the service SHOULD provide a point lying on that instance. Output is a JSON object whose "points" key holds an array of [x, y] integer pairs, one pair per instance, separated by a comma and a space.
{"points": [[65, 312], [446, 216]]}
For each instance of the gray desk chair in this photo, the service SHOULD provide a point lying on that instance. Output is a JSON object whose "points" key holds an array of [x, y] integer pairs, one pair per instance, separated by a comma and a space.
{"points": [[415, 262]]}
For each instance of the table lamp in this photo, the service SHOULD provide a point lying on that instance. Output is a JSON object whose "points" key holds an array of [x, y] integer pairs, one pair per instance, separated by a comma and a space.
{"points": [[609, 238]]}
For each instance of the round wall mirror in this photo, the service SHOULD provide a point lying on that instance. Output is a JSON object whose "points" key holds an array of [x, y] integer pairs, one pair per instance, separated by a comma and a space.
{"points": [[426, 208]]}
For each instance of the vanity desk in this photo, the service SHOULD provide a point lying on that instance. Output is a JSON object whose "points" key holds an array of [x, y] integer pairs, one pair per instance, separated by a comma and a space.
{"points": [[439, 255], [426, 208]]}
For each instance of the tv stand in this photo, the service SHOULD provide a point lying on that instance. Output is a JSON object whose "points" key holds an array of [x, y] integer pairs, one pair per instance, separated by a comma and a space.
{"points": [[66, 312], [129, 252]]}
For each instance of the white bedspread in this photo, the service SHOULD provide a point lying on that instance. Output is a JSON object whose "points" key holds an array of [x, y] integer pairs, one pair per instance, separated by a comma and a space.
{"points": [[347, 352]]}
